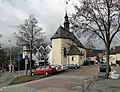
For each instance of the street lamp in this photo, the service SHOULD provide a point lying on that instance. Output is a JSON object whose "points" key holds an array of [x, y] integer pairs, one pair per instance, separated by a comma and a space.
{"points": [[11, 67], [10, 52]]}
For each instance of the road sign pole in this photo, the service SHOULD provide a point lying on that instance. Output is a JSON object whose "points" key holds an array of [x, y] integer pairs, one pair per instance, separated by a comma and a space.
{"points": [[18, 67], [26, 62], [18, 59]]}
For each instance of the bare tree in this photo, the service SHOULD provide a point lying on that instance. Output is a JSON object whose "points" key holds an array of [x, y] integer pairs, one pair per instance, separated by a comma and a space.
{"points": [[98, 19], [29, 33], [90, 44]]}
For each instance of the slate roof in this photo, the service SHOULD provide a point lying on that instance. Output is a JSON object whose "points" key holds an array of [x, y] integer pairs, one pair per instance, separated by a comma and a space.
{"points": [[64, 33], [74, 51], [117, 49], [112, 52]]}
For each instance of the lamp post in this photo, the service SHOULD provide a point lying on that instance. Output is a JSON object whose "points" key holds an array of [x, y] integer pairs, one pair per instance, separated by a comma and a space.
{"points": [[11, 67], [10, 52]]}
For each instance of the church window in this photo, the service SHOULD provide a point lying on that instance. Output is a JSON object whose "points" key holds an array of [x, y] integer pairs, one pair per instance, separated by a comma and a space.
{"points": [[72, 58], [65, 52]]}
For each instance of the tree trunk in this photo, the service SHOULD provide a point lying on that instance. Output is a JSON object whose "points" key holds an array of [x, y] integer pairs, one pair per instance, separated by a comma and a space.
{"points": [[107, 61], [31, 58]]}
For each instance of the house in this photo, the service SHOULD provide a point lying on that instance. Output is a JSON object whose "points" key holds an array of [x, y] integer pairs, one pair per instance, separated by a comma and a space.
{"points": [[113, 56], [39, 55], [117, 49], [90, 56], [66, 48], [99, 54]]}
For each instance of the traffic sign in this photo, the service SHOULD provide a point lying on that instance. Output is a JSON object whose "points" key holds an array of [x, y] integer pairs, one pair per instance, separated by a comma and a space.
{"points": [[19, 58]]}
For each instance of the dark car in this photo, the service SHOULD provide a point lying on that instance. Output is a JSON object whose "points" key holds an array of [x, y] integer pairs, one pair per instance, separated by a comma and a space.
{"points": [[72, 66], [102, 67]]}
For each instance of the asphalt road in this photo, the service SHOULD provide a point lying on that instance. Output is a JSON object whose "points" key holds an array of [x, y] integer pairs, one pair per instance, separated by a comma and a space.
{"points": [[69, 81]]}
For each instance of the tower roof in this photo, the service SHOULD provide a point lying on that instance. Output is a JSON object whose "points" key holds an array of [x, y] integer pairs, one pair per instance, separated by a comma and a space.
{"points": [[117, 48], [64, 33], [66, 21], [66, 16]]}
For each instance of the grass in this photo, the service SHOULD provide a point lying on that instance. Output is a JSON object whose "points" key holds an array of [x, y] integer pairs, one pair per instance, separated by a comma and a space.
{"points": [[26, 78]]}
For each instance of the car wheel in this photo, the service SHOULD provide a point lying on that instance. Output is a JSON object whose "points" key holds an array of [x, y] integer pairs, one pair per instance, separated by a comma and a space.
{"points": [[33, 74], [46, 73], [75, 67]]}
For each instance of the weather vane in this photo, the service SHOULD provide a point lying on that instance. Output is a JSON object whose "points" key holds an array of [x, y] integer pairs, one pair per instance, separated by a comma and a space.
{"points": [[66, 4]]}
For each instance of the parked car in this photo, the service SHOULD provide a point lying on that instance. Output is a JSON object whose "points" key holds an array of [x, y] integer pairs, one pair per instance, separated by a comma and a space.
{"points": [[102, 67], [72, 66], [60, 67], [43, 70], [63, 67], [57, 67]]}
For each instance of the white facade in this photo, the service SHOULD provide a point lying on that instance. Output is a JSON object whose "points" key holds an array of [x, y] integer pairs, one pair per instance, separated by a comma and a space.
{"points": [[36, 56]]}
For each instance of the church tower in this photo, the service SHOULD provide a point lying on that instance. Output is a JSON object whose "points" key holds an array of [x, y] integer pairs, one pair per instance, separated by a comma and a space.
{"points": [[62, 42], [66, 22]]}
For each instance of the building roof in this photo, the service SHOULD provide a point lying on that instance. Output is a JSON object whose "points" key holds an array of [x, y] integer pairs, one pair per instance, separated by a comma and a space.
{"points": [[117, 49], [64, 33], [112, 52], [74, 51], [89, 53]]}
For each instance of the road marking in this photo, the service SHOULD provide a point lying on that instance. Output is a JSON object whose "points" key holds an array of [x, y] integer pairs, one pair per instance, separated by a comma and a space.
{"points": [[2, 88]]}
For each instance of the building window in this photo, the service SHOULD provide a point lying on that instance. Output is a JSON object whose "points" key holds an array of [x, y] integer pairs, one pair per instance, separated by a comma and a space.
{"points": [[65, 52], [72, 58]]}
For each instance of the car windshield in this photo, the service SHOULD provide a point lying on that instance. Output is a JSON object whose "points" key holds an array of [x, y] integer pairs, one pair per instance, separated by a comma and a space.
{"points": [[103, 65], [42, 67]]}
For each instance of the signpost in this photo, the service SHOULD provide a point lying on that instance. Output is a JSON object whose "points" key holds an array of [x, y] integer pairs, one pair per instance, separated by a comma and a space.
{"points": [[18, 59], [26, 63]]}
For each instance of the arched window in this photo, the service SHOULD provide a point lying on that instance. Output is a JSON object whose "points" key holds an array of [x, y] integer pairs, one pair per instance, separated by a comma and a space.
{"points": [[72, 58]]}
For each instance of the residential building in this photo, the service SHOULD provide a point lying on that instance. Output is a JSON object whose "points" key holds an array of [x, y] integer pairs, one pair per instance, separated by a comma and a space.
{"points": [[113, 56], [117, 49]]}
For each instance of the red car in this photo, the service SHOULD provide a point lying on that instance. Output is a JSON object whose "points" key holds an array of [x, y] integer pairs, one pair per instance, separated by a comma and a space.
{"points": [[43, 70]]}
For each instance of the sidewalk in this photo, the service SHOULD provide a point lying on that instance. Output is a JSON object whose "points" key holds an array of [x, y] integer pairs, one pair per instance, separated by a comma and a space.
{"points": [[104, 85], [5, 78]]}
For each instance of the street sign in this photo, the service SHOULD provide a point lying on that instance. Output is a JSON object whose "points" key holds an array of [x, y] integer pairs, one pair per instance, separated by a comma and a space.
{"points": [[19, 58], [26, 57]]}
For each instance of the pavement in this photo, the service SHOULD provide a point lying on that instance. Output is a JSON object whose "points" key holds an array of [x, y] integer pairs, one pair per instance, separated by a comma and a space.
{"points": [[69, 82], [5, 78], [104, 85]]}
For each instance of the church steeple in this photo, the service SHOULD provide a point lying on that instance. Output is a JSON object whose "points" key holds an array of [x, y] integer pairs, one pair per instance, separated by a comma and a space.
{"points": [[66, 22]]}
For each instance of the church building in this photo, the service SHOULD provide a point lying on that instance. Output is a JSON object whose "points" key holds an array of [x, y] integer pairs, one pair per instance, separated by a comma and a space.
{"points": [[66, 48]]}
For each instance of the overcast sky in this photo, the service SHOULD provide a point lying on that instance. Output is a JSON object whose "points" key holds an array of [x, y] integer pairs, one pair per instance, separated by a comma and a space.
{"points": [[49, 13]]}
